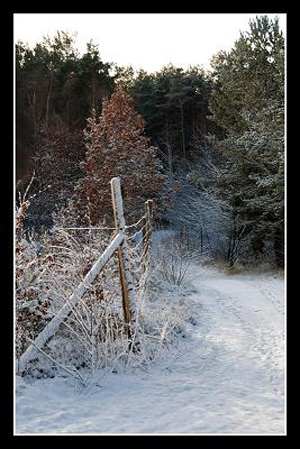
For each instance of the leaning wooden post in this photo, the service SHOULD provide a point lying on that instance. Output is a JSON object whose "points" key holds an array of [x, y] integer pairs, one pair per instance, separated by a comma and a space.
{"points": [[51, 328], [123, 254]]}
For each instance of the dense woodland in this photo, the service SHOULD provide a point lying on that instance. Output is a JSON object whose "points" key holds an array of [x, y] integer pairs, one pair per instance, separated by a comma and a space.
{"points": [[208, 147]]}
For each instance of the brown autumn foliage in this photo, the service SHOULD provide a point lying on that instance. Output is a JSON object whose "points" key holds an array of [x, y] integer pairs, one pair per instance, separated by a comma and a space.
{"points": [[116, 146], [55, 163]]}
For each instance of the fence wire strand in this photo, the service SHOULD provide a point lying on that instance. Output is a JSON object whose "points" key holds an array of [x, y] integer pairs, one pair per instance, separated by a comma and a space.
{"points": [[137, 249]]}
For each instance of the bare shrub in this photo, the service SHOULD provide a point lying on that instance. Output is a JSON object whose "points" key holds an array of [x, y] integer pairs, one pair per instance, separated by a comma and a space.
{"points": [[93, 337], [31, 291], [172, 260]]}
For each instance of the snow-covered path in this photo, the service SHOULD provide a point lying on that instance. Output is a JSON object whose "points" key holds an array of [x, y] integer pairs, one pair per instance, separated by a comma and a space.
{"points": [[228, 378]]}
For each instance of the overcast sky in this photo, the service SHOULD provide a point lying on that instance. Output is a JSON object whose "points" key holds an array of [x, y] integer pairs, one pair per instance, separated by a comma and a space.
{"points": [[147, 41]]}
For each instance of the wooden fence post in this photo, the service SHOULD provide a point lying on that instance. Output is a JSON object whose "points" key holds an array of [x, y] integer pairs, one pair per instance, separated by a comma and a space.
{"points": [[123, 254], [118, 244]]}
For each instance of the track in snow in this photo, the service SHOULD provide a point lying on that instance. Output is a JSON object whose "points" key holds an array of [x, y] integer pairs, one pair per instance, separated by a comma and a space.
{"points": [[228, 378]]}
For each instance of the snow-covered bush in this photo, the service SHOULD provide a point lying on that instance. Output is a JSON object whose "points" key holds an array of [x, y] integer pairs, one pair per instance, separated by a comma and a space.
{"points": [[203, 220], [32, 292], [172, 260], [93, 336], [86, 337]]}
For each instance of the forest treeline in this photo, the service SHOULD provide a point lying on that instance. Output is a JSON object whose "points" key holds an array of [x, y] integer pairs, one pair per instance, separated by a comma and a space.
{"points": [[207, 146]]}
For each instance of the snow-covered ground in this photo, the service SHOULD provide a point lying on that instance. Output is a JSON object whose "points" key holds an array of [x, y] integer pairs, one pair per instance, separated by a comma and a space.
{"points": [[227, 377]]}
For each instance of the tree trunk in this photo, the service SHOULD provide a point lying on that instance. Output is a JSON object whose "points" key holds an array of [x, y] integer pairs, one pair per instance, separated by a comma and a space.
{"points": [[169, 150], [48, 99], [182, 133], [279, 246], [230, 260]]}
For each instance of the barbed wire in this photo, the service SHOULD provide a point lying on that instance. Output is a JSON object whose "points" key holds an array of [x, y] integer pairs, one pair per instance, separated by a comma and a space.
{"points": [[134, 225], [138, 232], [95, 228], [138, 248], [101, 228]]}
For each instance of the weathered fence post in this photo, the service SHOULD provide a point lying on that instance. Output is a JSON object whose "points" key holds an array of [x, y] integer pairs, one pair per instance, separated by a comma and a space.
{"points": [[119, 244], [123, 254]]}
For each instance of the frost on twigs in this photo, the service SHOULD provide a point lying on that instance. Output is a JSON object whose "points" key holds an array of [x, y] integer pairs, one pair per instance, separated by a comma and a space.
{"points": [[32, 292], [93, 336]]}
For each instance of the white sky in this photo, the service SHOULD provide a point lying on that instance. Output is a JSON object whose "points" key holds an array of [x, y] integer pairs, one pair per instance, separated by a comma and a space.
{"points": [[147, 41]]}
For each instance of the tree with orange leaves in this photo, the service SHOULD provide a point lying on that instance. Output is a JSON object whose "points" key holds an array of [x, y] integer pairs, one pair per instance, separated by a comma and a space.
{"points": [[116, 146]]}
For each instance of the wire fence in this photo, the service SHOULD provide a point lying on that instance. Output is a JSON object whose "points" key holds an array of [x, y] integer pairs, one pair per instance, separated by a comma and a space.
{"points": [[130, 243]]}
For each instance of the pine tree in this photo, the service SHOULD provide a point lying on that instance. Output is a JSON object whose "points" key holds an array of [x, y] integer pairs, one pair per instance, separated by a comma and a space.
{"points": [[174, 104], [251, 179], [248, 103], [250, 76], [116, 146], [53, 80]]}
